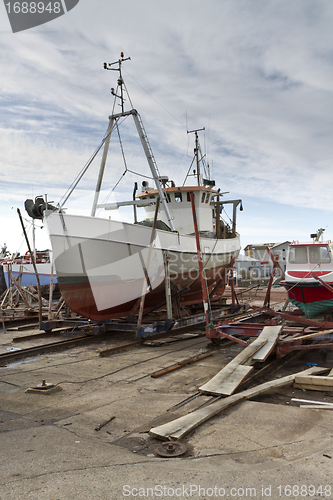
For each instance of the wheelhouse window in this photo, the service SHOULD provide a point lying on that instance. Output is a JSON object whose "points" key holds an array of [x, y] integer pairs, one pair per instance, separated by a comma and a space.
{"points": [[203, 197], [319, 254], [315, 254], [298, 255], [207, 197], [178, 197]]}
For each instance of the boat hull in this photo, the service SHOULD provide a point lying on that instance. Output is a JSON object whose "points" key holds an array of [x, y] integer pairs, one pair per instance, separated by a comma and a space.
{"points": [[26, 273], [102, 265], [310, 298]]}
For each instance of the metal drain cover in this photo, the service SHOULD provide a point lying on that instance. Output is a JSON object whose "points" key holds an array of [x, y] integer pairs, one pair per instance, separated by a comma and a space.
{"points": [[44, 386], [171, 449]]}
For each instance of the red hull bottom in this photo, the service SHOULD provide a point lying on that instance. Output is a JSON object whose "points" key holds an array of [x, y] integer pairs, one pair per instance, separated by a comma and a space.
{"points": [[310, 299], [79, 297]]}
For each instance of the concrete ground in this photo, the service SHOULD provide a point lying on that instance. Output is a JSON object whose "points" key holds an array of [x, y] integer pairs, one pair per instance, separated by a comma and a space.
{"points": [[51, 447]]}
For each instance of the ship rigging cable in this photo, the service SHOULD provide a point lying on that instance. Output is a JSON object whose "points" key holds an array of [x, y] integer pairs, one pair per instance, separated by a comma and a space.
{"points": [[81, 174], [85, 168]]}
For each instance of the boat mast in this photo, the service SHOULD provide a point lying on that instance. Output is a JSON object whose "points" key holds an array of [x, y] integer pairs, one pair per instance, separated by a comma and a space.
{"points": [[143, 137], [196, 152], [109, 130], [153, 166]]}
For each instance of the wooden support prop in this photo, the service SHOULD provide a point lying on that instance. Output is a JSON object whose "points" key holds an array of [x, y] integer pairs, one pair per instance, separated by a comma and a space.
{"points": [[121, 347], [20, 291], [178, 428], [3, 322], [60, 305], [40, 312], [4, 297], [181, 364]]}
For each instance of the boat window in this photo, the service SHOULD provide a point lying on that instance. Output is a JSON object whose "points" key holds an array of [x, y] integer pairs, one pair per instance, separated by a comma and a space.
{"points": [[178, 197], [298, 255], [168, 199], [188, 197], [319, 254], [203, 197], [207, 197]]}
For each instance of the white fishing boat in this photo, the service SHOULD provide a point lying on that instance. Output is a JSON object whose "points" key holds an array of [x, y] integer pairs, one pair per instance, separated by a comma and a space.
{"points": [[105, 266], [22, 269]]}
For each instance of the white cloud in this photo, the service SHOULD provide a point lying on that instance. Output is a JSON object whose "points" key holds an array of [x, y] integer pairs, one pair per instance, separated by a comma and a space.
{"points": [[256, 74]]}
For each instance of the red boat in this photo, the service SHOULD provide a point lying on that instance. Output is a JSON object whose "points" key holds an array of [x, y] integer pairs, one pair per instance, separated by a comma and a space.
{"points": [[309, 275]]}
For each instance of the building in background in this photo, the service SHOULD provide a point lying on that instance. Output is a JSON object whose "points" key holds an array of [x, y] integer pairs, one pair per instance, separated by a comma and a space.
{"points": [[260, 253]]}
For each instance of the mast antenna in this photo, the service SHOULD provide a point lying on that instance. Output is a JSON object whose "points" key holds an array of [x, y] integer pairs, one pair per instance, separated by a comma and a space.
{"points": [[196, 151], [120, 82]]}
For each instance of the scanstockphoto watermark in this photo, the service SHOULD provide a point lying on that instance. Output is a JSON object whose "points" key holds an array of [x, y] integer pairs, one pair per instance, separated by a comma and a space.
{"points": [[24, 15], [167, 491], [188, 491], [261, 492]]}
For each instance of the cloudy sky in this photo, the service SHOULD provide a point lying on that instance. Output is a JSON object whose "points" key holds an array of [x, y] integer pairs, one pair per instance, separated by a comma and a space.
{"points": [[258, 75]]}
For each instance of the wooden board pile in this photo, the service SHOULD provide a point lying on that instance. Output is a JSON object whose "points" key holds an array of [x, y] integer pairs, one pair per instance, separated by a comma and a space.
{"points": [[226, 381]]}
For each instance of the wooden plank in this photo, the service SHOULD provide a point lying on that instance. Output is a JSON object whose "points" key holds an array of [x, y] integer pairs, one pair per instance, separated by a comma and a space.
{"points": [[178, 428], [317, 407], [315, 380], [219, 384], [270, 333], [312, 387], [185, 362], [230, 377], [226, 384], [304, 337]]}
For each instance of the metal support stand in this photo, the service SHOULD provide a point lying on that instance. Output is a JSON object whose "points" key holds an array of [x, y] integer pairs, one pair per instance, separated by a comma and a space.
{"points": [[167, 286], [201, 269], [146, 278], [276, 266]]}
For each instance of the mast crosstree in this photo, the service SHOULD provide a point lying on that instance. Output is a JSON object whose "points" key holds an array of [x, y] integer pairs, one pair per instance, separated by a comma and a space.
{"points": [[142, 135]]}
